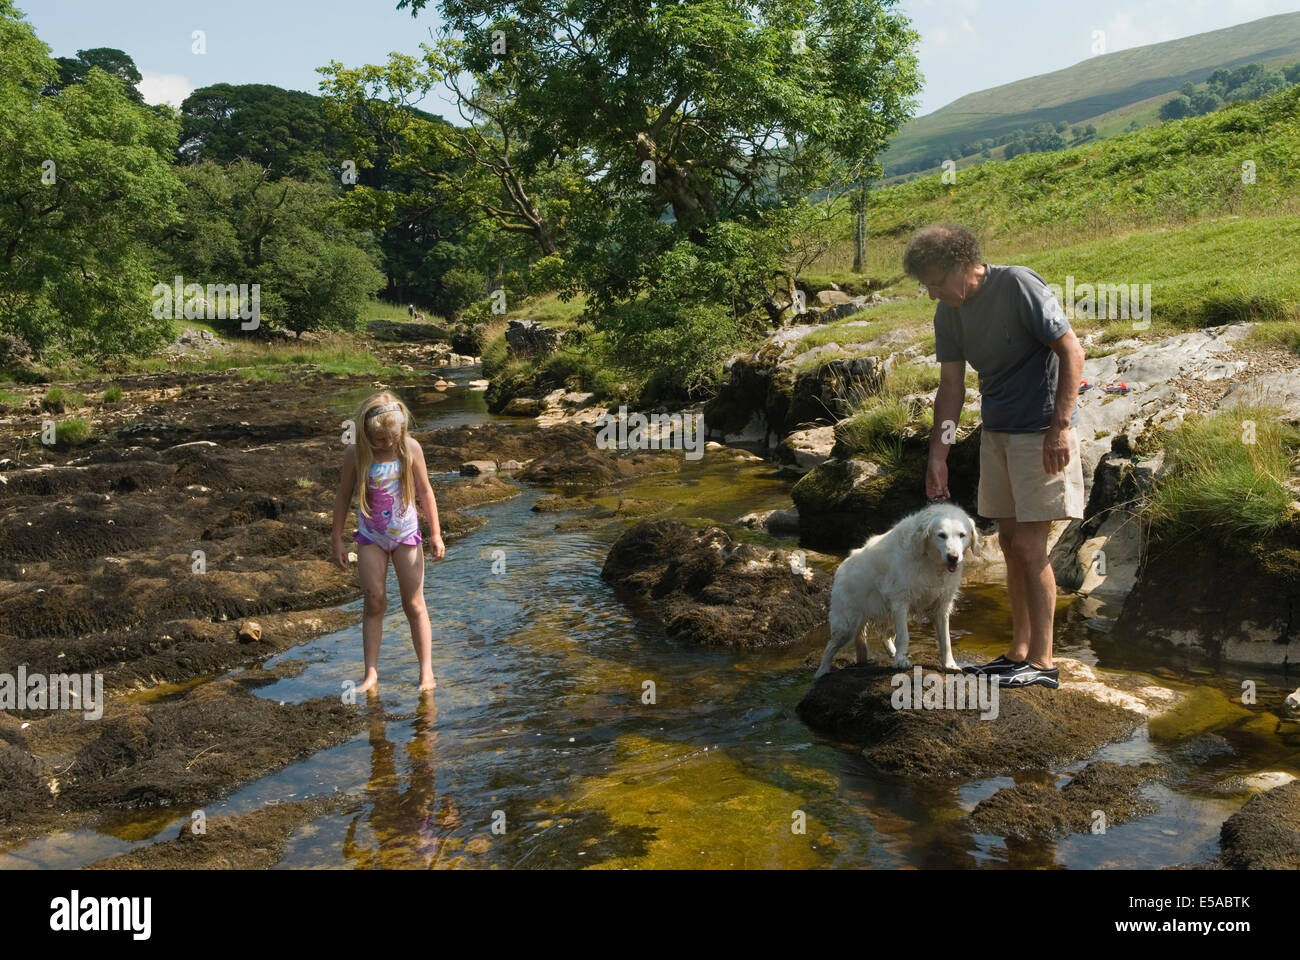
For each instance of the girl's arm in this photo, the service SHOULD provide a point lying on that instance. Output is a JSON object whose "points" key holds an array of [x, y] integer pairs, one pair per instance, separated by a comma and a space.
{"points": [[424, 490], [347, 487]]}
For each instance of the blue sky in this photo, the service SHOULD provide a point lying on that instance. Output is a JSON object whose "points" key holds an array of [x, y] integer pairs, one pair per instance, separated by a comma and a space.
{"points": [[966, 45]]}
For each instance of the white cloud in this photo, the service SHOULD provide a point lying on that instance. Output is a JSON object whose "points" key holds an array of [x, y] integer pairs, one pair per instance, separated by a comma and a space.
{"points": [[169, 88], [961, 34], [1156, 21], [1124, 30]]}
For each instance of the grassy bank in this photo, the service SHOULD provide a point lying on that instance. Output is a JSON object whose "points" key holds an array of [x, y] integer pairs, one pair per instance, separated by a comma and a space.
{"points": [[1232, 476], [341, 354]]}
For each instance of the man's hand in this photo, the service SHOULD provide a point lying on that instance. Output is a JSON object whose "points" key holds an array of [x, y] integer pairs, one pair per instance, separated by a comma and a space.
{"points": [[1056, 450], [936, 479]]}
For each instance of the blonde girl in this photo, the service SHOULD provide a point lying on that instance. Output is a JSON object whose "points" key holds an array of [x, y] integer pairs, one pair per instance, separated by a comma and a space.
{"points": [[388, 526]]}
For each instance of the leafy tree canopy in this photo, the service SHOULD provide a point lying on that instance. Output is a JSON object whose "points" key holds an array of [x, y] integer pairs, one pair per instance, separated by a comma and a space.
{"points": [[284, 131], [85, 176], [112, 61]]}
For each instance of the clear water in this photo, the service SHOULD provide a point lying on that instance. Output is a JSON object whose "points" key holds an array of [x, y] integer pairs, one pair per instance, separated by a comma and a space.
{"points": [[537, 750]]}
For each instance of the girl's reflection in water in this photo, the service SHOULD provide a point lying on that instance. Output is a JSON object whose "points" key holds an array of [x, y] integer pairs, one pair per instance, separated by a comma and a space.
{"points": [[410, 828]]}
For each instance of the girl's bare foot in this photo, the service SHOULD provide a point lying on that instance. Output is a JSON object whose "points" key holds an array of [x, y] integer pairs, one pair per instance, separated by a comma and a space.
{"points": [[370, 683], [428, 683]]}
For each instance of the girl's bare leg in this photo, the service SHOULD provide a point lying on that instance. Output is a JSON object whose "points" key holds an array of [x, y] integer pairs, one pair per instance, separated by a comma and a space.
{"points": [[372, 571], [408, 563]]}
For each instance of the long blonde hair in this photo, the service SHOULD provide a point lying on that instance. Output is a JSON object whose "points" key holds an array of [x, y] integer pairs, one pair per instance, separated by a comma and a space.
{"points": [[390, 421]]}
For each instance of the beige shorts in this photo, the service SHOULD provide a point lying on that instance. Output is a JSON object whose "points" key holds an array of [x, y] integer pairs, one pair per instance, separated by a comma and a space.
{"points": [[1013, 482]]}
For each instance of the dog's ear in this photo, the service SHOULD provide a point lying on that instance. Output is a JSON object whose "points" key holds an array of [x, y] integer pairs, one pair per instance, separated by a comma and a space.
{"points": [[917, 536], [975, 542]]}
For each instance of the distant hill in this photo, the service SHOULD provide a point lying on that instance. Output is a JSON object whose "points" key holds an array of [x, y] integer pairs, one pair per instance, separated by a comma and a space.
{"points": [[1098, 90]]}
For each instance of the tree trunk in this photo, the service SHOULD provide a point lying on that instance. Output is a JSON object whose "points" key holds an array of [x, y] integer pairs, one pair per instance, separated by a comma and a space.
{"points": [[860, 230]]}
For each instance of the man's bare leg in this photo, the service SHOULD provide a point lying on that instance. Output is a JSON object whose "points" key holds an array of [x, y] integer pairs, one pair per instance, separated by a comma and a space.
{"points": [[1016, 593], [1038, 583]]}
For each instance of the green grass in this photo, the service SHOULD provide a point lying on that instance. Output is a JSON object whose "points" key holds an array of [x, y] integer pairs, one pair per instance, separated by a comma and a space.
{"points": [[876, 431], [1280, 333], [1162, 176], [1219, 485], [112, 393], [72, 431], [880, 420], [1175, 172], [1211, 272], [386, 310], [551, 310], [56, 398], [1099, 89], [1202, 274], [262, 374], [336, 355], [9, 399]]}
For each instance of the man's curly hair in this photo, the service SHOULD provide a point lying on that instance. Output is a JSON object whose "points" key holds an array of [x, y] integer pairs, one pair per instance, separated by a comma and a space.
{"points": [[943, 246]]}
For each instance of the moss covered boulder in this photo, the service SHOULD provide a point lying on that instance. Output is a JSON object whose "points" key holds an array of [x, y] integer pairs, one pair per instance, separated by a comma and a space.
{"points": [[709, 590], [845, 500]]}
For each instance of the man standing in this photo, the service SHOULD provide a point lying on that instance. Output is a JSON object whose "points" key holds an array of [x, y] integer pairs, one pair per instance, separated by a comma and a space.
{"points": [[1007, 323]]}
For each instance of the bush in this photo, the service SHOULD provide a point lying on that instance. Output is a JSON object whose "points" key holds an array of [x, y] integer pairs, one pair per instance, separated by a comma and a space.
{"points": [[460, 288], [679, 350]]}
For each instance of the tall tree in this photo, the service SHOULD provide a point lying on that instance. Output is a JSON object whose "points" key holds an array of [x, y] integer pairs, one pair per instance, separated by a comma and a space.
{"points": [[240, 226], [84, 177], [711, 101], [475, 166], [112, 61], [284, 131], [689, 116]]}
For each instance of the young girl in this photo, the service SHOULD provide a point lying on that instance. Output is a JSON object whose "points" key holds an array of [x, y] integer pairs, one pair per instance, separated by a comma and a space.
{"points": [[392, 466]]}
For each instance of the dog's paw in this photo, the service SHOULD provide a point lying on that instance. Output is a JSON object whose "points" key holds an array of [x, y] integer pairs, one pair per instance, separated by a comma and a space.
{"points": [[901, 663]]}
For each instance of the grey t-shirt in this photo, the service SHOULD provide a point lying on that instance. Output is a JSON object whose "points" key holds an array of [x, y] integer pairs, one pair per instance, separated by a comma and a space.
{"points": [[1003, 331]]}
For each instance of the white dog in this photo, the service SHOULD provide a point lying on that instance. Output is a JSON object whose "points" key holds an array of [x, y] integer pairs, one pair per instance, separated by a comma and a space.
{"points": [[914, 566]]}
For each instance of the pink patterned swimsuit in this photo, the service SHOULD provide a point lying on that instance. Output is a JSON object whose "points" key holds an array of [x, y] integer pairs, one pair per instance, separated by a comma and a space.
{"points": [[387, 528]]}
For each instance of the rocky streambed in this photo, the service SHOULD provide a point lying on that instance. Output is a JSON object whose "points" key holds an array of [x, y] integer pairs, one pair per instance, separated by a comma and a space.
{"points": [[624, 667]]}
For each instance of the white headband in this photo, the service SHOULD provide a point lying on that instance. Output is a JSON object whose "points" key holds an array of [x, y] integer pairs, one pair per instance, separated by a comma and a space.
{"points": [[382, 408]]}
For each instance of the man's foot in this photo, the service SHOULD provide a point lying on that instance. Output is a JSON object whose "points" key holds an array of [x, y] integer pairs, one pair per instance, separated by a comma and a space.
{"points": [[998, 665], [1028, 675]]}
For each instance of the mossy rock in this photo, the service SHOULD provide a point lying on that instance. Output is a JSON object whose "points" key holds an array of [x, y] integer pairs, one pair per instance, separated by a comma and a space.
{"points": [[1223, 597], [504, 389], [840, 506], [754, 386]]}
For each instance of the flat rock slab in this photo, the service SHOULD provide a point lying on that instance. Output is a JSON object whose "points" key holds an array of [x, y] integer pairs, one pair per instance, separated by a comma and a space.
{"points": [[1035, 728], [1280, 389]]}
